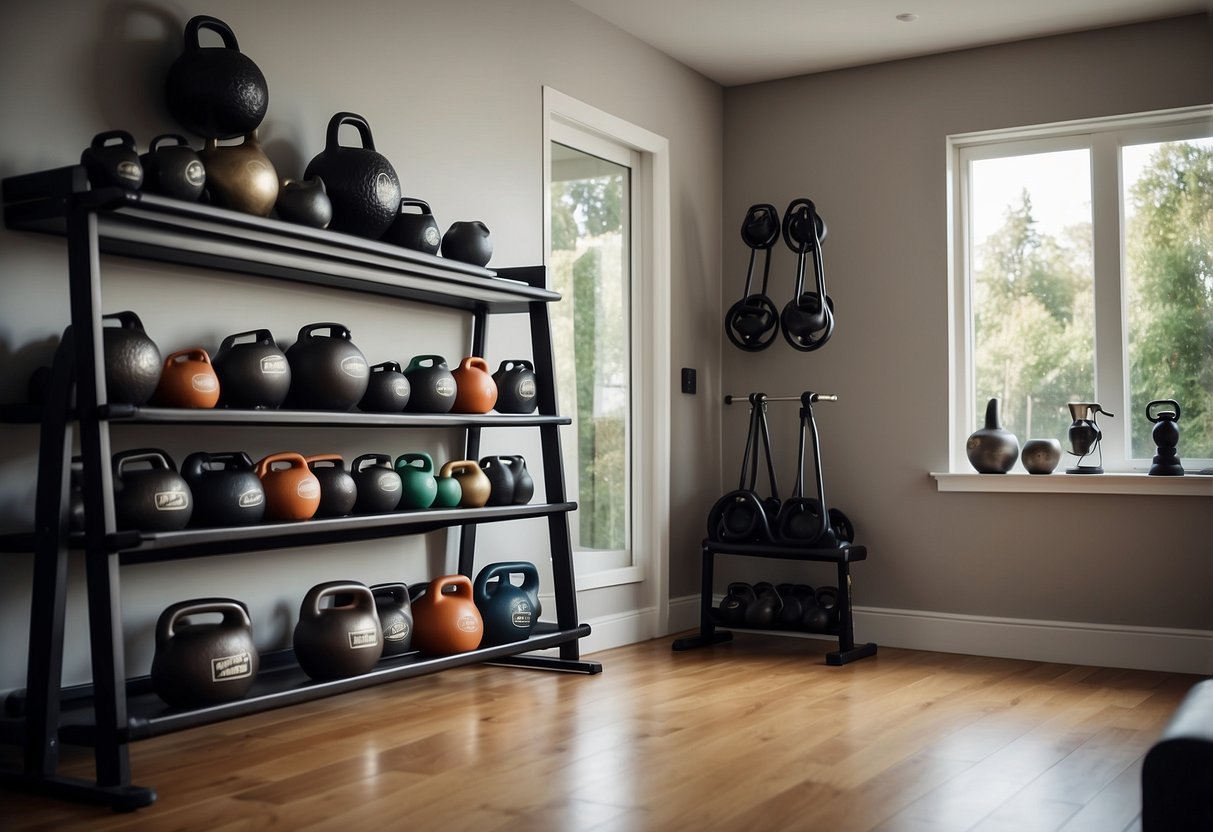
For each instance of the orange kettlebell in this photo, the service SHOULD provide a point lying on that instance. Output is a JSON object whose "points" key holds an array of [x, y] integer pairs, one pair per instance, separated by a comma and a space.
{"points": [[188, 380], [445, 618], [475, 390], [292, 491]]}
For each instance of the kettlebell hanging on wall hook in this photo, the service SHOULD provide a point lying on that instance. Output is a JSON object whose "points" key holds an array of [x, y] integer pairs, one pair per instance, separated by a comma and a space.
{"points": [[751, 323], [808, 318]]}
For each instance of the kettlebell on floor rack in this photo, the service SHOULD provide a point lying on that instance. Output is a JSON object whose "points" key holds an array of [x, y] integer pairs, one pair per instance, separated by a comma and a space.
{"points": [[762, 612], [792, 611], [731, 611], [742, 516], [805, 521], [751, 323], [506, 609], [200, 663], [807, 320]]}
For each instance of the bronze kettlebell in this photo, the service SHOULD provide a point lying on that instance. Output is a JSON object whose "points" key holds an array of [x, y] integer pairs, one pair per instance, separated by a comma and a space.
{"points": [[240, 176], [472, 481]]}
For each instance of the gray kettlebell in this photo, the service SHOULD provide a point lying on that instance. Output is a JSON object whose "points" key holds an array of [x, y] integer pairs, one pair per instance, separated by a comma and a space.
{"points": [[149, 494]]}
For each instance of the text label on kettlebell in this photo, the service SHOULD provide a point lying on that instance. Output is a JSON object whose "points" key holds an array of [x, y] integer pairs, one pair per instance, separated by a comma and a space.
{"points": [[129, 170], [308, 488], [204, 382], [445, 387], [273, 365], [172, 500], [195, 173], [526, 388], [399, 631], [468, 624], [363, 638], [250, 498], [354, 366], [229, 668]]}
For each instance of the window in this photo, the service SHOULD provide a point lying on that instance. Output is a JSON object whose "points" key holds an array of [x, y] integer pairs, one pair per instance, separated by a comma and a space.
{"points": [[1082, 270]]}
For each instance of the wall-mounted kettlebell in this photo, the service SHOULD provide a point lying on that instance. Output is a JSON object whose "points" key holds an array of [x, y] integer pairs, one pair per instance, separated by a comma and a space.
{"points": [[445, 618], [253, 371], [418, 488], [225, 488], [433, 385], [173, 170], [132, 361], [187, 379], [379, 487], [338, 491], [327, 371], [515, 382], [395, 612], [501, 480], [475, 391], [506, 609], [149, 494], [416, 231], [341, 640], [113, 165], [292, 491], [387, 389], [203, 663], [524, 486], [473, 484]]}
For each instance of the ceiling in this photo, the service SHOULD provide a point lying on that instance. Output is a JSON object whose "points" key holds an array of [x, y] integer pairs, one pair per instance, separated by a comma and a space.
{"points": [[744, 41]]}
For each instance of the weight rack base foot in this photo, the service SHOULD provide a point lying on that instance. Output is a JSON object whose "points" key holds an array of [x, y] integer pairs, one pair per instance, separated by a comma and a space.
{"points": [[118, 798], [838, 658], [550, 663], [701, 640]]}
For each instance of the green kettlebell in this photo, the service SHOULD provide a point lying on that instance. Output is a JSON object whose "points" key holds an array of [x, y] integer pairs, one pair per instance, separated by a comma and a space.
{"points": [[418, 488], [450, 492]]}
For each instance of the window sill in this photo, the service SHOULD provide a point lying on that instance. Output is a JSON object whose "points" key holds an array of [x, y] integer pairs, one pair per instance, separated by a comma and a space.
{"points": [[1060, 483]]}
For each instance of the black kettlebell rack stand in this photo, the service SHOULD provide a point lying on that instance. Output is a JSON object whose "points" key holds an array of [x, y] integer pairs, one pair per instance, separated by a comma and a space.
{"points": [[115, 710], [842, 557]]}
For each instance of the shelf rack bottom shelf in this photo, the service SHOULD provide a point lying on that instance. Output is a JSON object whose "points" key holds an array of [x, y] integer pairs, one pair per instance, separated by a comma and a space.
{"points": [[834, 658]]}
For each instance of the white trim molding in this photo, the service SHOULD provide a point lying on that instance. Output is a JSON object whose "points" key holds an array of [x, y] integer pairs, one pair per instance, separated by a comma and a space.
{"points": [[1187, 486]]}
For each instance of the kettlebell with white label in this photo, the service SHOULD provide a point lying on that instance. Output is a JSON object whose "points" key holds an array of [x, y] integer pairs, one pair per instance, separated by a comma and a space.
{"points": [[432, 385], [225, 488], [340, 640], [204, 663], [327, 371], [149, 494], [515, 387]]}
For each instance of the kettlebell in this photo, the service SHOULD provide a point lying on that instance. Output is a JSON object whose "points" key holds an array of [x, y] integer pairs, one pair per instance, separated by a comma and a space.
{"points": [[416, 231], [515, 382], [252, 373], [362, 184], [445, 618], [240, 176], [225, 488], [305, 203], [827, 600], [432, 385], [327, 372], [473, 484], [387, 390], [149, 494], [792, 611], [378, 485], [173, 170], [761, 613], [204, 663], [524, 486], [338, 492], [395, 612], [418, 488], [733, 606], [501, 480], [215, 92], [187, 379], [468, 242], [113, 165], [292, 491], [132, 361], [506, 610], [341, 640], [450, 492], [475, 391], [815, 619]]}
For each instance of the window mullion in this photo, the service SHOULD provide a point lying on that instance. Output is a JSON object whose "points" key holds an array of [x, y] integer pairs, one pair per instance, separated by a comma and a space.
{"points": [[1111, 366]]}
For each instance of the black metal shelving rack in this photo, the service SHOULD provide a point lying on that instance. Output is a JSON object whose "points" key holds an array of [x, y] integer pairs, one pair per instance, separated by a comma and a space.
{"points": [[114, 710]]}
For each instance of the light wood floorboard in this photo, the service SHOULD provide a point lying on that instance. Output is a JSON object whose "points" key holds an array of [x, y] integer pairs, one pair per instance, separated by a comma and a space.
{"points": [[758, 734]]}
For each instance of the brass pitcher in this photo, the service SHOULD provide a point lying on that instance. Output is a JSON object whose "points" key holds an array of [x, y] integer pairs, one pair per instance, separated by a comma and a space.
{"points": [[241, 176]]}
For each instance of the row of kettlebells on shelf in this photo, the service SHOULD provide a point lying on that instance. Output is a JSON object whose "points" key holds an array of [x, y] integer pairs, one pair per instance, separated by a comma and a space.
{"points": [[317, 372], [765, 606], [229, 489], [344, 629]]}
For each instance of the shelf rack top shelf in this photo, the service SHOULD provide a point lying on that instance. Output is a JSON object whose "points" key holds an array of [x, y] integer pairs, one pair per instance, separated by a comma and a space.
{"points": [[151, 227]]}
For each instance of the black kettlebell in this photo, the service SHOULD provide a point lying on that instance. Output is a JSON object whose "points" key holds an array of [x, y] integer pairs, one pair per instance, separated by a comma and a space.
{"points": [[362, 184], [763, 610], [815, 619], [338, 491], [113, 165], [305, 203], [253, 372], [173, 170], [149, 494], [507, 610], [132, 360], [501, 480], [377, 483], [827, 600], [524, 486], [327, 372], [218, 93], [416, 231], [468, 242], [432, 385], [344, 639], [204, 663], [792, 611], [225, 488], [733, 606], [387, 390], [395, 613], [515, 382]]}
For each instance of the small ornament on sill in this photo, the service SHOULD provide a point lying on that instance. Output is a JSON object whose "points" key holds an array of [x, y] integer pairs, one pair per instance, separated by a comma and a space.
{"points": [[992, 450], [1166, 437]]}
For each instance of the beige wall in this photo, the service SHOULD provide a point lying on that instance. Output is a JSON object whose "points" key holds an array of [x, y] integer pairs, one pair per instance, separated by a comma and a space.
{"points": [[452, 91], [867, 145]]}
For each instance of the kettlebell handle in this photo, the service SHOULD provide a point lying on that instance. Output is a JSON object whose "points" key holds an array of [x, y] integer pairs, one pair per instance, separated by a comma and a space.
{"points": [[191, 354], [260, 336], [228, 460], [407, 460], [386, 367], [335, 459], [1163, 415], [295, 461], [181, 141], [157, 458], [474, 361], [335, 329], [126, 319], [101, 139], [461, 583], [397, 592], [509, 365], [417, 360], [216, 25], [502, 572], [235, 614], [378, 459], [361, 596], [414, 203], [454, 465], [353, 119]]}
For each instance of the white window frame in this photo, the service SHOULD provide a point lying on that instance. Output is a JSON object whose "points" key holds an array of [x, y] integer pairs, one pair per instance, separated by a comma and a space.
{"points": [[650, 306], [1104, 137]]}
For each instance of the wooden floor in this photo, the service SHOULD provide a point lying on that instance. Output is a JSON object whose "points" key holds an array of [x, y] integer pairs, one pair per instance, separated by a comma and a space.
{"points": [[759, 734]]}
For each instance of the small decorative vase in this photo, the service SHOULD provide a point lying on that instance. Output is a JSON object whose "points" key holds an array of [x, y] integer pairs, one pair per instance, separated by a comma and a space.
{"points": [[1040, 456], [992, 450]]}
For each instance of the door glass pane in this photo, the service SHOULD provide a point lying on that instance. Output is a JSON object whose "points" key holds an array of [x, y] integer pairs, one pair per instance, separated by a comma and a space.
{"points": [[591, 268], [1168, 272], [1032, 289]]}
